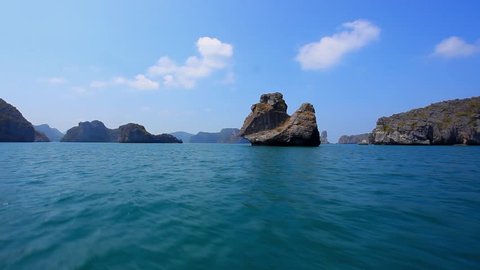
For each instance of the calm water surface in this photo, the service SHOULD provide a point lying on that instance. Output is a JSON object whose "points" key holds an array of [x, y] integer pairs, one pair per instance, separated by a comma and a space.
{"points": [[212, 206]]}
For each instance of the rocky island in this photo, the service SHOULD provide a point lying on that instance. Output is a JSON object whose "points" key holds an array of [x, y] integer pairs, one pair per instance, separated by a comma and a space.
{"points": [[15, 128], [324, 137], [96, 131], [269, 124], [135, 133], [354, 139], [443, 123]]}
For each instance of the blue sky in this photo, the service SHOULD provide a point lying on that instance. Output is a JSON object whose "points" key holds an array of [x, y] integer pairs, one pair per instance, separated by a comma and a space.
{"points": [[199, 65]]}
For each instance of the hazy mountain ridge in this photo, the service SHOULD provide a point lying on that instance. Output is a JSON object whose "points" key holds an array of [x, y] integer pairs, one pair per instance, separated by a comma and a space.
{"points": [[53, 134]]}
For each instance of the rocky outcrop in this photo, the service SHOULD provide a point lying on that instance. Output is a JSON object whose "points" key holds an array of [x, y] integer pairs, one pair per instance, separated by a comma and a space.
{"points": [[269, 124], [94, 131], [226, 135], [135, 133], [354, 139], [53, 134], [444, 123], [324, 137], [13, 126]]}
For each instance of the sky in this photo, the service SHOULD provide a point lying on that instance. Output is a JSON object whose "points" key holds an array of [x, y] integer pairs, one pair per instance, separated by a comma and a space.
{"points": [[199, 65]]}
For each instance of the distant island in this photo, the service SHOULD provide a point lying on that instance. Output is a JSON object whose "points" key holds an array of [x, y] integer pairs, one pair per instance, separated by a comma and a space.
{"points": [[53, 134], [96, 131], [324, 137], [443, 123], [354, 139], [269, 124], [226, 135]]}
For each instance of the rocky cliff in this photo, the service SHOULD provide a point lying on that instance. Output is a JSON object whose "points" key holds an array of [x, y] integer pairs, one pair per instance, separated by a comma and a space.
{"points": [[53, 134], [354, 139], [444, 123], [135, 133], [13, 126], [269, 124], [94, 131]]}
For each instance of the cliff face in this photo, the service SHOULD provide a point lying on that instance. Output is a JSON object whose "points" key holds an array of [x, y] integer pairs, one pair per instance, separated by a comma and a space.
{"points": [[134, 133], [269, 124], [94, 131], [354, 139], [13, 126], [226, 135], [444, 123]]}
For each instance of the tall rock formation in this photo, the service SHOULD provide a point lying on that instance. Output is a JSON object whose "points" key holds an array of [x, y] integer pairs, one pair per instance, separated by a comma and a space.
{"points": [[443, 123], [13, 126], [269, 124], [324, 137], [135, 133]]}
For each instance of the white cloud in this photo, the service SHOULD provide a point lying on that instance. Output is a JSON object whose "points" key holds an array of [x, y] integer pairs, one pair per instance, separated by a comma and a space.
{"points": [[140, 82], [214, 55], [454, 47], [143, 83], [329, 50], [105, 84], [54, 80]]}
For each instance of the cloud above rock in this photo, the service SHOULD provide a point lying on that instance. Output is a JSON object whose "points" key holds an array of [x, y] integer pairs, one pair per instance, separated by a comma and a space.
{"points": [[213, 55], [330, 50]]}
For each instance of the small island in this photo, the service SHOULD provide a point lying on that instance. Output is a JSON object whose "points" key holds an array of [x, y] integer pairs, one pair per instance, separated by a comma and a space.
{"points": [[96, 131], [269, 124]]}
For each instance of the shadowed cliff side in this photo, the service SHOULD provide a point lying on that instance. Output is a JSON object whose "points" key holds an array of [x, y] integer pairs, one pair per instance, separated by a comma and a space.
{"points": [[13, 126]]}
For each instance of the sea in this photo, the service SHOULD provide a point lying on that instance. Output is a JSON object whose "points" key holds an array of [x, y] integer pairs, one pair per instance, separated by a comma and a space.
{"points": [[225, 206]]}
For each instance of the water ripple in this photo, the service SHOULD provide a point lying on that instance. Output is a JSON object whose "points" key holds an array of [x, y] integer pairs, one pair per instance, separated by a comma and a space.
{"points": [[207, 206]]}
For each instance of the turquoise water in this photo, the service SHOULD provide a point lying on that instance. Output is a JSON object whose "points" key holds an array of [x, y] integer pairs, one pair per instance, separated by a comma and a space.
{"points": [[213, 206]]}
